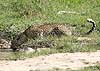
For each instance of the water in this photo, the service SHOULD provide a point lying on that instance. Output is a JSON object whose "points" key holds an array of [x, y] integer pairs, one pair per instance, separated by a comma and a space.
{"points": [[8, 54]]}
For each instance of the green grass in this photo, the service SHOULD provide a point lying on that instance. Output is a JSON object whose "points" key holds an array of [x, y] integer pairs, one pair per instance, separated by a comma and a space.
{"points": [[90, 68], [64, 44], [17, 15], [23, 13]]}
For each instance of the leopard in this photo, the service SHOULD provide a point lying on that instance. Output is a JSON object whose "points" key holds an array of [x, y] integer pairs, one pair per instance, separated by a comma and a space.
{"points": [[44, 30], [40, 30]]}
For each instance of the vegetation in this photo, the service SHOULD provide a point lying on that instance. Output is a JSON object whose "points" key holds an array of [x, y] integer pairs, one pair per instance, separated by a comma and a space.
{"points": [[17, 15], [91, 68]]}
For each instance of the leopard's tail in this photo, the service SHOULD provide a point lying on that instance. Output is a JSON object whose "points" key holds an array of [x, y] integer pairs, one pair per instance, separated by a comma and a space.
{"points": [[93, 26]]}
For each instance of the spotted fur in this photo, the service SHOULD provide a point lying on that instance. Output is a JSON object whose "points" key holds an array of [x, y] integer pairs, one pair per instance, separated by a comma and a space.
{"points": [[36, 31]]}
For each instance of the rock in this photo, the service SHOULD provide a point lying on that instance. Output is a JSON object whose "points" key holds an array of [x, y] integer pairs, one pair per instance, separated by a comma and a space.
{"points": [[4, 44]]}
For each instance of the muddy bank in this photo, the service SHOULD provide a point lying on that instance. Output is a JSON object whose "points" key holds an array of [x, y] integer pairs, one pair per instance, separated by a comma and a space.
{"points": [[72, 61]]}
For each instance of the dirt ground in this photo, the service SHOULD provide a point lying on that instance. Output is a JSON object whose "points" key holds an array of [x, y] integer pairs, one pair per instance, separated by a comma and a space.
{"points": [[72, 61]]}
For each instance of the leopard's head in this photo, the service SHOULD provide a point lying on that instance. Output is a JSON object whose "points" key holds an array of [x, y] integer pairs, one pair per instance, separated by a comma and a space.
{"points": [[18, 41]]}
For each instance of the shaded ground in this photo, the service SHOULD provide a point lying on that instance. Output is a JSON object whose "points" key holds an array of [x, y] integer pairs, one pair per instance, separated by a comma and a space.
{"points": [[60, 60]]}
